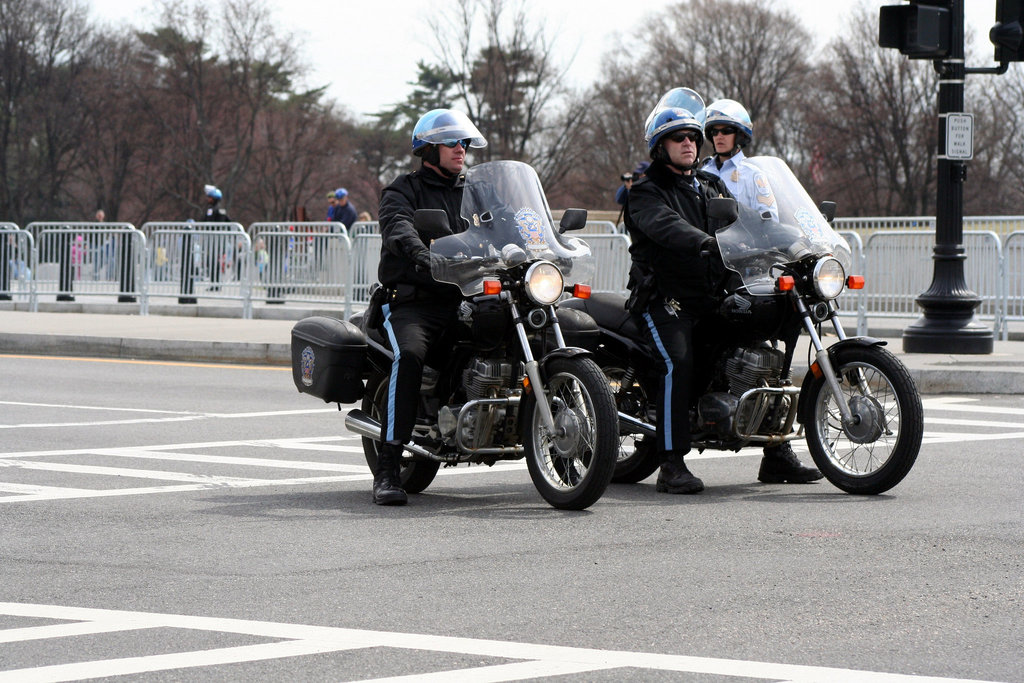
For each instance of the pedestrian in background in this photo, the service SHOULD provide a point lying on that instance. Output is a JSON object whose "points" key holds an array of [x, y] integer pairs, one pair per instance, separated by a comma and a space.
{"points": [[344, 210]]}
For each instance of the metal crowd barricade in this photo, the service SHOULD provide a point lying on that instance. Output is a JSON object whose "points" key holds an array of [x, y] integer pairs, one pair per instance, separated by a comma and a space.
{"points": [[187, 261], [360, 227], [611, 253], [599, 228], [93, 259], [1013, 277], [365, 260], [851, 302], [302, 262], [899, 267], [16, 248]]}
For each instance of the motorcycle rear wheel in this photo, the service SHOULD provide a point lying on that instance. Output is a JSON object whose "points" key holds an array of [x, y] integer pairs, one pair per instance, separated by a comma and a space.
{"points": [[416, 475], [874, 455], [638, 458], [571, 469]]}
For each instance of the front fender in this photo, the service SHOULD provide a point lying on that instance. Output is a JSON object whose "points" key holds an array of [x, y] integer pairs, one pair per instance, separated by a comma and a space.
{"points": [[563, 352], [834, 352]]}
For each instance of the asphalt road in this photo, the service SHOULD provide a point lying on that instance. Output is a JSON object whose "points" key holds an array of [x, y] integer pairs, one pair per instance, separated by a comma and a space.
{"points": [[184, 522]]}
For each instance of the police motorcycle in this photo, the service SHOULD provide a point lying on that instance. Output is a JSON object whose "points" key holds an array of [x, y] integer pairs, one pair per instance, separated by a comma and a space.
{"points": [[511, 384], [857, 406]]}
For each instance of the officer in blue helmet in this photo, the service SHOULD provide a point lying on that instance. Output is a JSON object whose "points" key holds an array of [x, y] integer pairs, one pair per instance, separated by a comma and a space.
{"points": [[671, 277], [418, 309]]}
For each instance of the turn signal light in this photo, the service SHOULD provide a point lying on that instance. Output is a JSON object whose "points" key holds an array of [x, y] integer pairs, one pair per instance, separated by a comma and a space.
{"points": [[785, 283], [855, 282], [492, 287], [581, 291]]}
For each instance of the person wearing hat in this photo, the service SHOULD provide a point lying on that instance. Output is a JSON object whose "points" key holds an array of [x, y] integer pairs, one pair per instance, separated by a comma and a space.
{"points": [[344, 210], [332, 205]]}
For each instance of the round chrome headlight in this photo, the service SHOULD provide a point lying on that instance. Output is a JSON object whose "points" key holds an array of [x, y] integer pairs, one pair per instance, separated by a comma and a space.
{"points": [[544, 283], [829, 278]]}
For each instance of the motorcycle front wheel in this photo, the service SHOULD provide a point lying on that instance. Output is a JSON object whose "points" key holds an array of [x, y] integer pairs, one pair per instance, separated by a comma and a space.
{"points": [[638, 458], [571, 467], [877, 451], [416, 475]]}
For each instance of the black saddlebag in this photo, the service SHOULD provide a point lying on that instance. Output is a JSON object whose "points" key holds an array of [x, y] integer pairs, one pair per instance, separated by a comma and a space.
{"points": [[328, 359]]}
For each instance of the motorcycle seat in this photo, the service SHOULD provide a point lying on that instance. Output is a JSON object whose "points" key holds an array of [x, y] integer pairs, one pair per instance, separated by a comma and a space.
{"points": [[609, 311]]}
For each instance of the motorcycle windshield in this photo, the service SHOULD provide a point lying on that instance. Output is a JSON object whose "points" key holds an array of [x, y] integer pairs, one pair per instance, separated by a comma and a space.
{"points": [[754, 245], [509, 224]]}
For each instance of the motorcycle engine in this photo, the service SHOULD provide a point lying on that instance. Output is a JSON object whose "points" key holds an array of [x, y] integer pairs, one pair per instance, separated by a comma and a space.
{"points": [[485, 378], [749, 368], [745, 369], [486, 425]]}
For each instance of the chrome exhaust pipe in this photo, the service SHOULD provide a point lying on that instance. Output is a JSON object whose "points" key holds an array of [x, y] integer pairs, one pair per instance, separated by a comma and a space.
{"points": [[362, 424], [631, 425]]}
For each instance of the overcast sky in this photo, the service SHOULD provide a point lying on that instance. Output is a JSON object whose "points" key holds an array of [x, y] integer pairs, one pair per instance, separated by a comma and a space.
{"points": [[366, 50]]}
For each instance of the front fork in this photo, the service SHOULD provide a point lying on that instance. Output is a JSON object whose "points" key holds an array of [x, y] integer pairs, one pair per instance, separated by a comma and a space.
{"points": [[821, 356], [532, 366]]}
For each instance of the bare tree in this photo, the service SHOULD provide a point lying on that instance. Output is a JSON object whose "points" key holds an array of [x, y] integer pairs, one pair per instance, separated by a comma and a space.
{"points": [[44, 48], [509, 82], [874, 126]]}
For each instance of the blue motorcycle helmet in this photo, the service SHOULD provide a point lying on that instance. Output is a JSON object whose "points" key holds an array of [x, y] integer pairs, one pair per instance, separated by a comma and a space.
{"points": [[444, 126], [669, 120], [677, 98], [213, 192]]}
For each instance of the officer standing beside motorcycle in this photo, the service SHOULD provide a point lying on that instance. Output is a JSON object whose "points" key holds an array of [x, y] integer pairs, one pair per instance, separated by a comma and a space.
{"points": [[417, 309], [671, 282], [728, 127]]}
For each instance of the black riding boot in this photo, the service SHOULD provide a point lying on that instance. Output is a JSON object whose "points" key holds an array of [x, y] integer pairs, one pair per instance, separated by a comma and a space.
{"points": [[387, 483], [674, 477], [780, 465]]}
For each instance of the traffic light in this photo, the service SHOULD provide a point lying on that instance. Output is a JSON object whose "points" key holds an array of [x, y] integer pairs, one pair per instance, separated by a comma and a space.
{"points": [[1007, 35], [920, 30]]}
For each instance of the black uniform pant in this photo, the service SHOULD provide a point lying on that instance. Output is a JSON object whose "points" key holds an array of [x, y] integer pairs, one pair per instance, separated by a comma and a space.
{"points": [[413, 330]]}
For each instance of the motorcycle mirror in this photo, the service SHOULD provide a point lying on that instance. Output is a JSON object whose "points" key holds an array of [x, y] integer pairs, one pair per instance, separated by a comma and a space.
{"points": [[828, 210], [723, 208], [431, 222], [572, 219]]}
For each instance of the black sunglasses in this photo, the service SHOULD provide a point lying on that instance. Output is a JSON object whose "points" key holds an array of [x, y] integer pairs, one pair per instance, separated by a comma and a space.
{"points": [[681, 135], [722, 131], [450, 144]]}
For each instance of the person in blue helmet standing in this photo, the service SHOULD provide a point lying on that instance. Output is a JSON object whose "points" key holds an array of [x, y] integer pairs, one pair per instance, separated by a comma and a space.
{"points": [[217, 247], [344, 210], [728, 126], [671, 275], [417, 309]]}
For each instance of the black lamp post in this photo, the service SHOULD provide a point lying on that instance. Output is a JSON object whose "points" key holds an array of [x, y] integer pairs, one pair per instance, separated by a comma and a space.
{"points": [[948, 324]]}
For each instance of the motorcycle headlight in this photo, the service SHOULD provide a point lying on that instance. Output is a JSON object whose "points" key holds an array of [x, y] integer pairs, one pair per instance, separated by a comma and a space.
{"points": [[829, 278], [544, 283]]}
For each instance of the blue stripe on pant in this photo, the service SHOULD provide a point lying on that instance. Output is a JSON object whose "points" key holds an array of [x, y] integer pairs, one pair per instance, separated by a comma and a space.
{"points": [[666, 397], [389, 417]]}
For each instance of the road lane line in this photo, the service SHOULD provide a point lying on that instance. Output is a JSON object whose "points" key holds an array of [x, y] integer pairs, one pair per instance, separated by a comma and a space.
{"points": [[318, 639], [179, 660], [78, 628], [518, 671]]}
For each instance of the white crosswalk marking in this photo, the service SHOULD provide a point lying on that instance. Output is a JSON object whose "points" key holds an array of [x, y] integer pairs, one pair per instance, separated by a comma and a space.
{"points": [[948, 419], [296, 640]]}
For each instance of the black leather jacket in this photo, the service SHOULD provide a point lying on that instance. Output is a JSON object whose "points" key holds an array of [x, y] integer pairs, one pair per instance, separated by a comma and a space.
{"points": [[422, 189], [667, 219]]}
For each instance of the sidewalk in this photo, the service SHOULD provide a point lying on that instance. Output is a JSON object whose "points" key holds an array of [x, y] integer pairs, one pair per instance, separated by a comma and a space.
{"points": [[202, 337]]}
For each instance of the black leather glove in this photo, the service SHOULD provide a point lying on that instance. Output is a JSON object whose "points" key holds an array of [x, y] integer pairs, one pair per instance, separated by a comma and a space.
{"points": [[426, 261], [709, 247]]}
